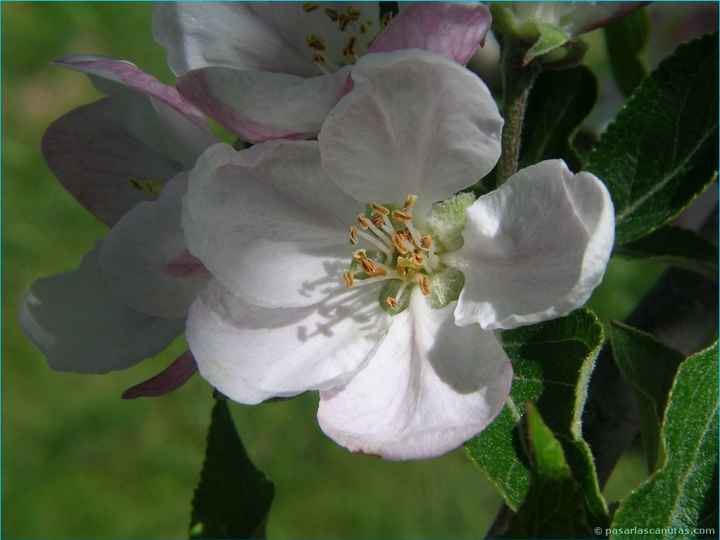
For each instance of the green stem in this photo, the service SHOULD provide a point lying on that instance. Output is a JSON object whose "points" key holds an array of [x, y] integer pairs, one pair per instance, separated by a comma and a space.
{"points": [[518, 80]]}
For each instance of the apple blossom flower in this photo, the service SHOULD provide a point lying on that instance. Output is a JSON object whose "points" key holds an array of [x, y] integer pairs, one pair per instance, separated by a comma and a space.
{"points": [[268, 71], [392, 319], [122, 158]]}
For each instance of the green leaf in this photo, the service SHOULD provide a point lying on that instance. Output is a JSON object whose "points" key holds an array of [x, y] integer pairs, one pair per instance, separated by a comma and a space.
{"points": [[233, 497], [674, 495], [552, 362], [675, 246], [661, 150], [649, 367], [554, 505], [558, 104], [625, 41]]}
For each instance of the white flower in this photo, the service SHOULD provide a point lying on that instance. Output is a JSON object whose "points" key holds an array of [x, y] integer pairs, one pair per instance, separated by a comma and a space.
{"points": [[377, 326], [269, 71], [122, 158]]}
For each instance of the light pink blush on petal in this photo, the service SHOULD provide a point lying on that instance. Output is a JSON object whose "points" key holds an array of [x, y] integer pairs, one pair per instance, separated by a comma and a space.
{"points": [[168, 380], [128, 74], [194, 86], [185, 265], [452, 30]]}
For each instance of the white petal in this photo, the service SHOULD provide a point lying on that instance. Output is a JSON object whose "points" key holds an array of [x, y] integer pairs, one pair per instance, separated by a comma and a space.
{"points": [[535, 248], [430, 386], [415, 123], [138, 254], [79, 326], [261, 106], [267, 223], [282, 352], [271, 38]]}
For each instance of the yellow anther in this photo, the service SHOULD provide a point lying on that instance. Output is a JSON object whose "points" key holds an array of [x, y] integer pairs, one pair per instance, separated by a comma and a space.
{"points": [[344, 19], [410, 201], [426, 242], [424, 283], [363, 28], [418, 258], [380, 209], [378, 220], [359, 254], [403, 216], [315, 42], [310, 6], [349, 50], [400, 243], [371, 268], [353, 235], [386, 19], [348, 279], [363, 221], [332, 14], [391, 302]]}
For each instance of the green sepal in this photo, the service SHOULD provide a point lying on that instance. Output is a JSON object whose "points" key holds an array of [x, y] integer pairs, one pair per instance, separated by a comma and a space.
{"points": [[391, 288], [445, 287], [447, 221], [550, 38]]}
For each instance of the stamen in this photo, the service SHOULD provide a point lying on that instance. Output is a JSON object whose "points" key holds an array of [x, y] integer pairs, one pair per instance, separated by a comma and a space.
{"points": [[410, 201], [386, 19], [366, 223], [391, 302], [401, 244], [403, 216], [348, 279], [315, 42], [424, 283], [380, 209], [349, 51], [375, 242], [332, 14], [353, 235]]}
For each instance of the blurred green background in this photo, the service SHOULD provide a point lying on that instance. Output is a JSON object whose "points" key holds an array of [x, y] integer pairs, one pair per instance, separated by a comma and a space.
{"points": [[78, 462]]}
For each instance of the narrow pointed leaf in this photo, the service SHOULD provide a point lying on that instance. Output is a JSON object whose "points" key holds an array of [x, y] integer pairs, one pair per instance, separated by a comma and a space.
{"points": [[675, 246], [233, 497], [649, 367], [675, 495], [554, 505], [553, 362], [625, 41], [661, 150]]}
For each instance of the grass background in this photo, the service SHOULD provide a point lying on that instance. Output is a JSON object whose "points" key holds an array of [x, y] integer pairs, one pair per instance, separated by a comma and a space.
{"points": [[78, 462]]}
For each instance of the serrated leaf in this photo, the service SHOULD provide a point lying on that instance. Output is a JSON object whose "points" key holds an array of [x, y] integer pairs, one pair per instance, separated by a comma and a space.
{"points": [[649, 367], [554, 504], [674, 496], [233, 497], [625, 41], [675, 246], [558, 104], [552, 362], [661, 150]]}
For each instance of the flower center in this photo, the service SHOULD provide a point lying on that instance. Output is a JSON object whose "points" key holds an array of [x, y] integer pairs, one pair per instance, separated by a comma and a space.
{"points": [[399, 253], [354, 34]]}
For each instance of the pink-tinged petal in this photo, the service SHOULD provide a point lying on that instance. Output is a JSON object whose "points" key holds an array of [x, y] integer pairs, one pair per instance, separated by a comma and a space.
{"points": [[129, 75], [144, 257], [106, 168], [75, 320], [268, 223], [251, 353], [415, 122], [185, 265], [154, 113], [168, 380], [535, 248], [452, 30], [261, 106], [429, 387]]}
